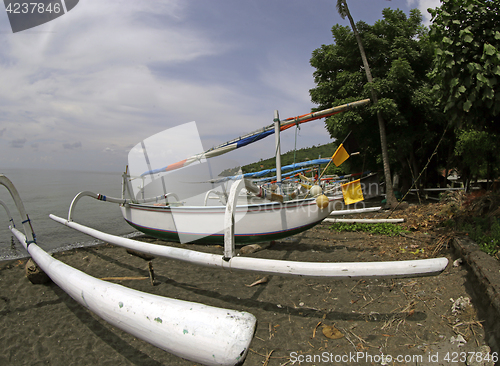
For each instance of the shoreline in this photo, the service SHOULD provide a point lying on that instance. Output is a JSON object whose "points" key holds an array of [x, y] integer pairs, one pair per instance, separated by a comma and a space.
{"points": [[91, 243]]}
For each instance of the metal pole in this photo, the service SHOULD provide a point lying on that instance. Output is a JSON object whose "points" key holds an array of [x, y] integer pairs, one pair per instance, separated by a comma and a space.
{"points": [[278, 150], [232, 201]]}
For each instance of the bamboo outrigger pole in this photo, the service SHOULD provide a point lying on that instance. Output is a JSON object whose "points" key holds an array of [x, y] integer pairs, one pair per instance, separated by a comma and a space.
{"points": [[258, 135]]}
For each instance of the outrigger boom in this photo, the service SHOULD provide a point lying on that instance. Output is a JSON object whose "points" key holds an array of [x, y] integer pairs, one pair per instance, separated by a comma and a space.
{"points": [[334, 270], [259, 135], [337, 270]]}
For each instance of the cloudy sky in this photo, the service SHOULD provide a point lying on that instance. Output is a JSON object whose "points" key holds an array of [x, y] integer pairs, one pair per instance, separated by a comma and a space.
{"points": [[78, 92]]}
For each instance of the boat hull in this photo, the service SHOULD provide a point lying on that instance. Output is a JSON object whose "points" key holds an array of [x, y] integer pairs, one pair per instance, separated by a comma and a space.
{"points": [[205, 224]]}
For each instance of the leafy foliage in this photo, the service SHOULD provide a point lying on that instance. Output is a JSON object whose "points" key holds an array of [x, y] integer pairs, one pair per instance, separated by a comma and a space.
{"points": [[400, 56], [467, 61], [467, 71]]}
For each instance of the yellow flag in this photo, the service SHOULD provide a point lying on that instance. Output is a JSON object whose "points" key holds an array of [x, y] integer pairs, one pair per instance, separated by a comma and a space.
{"points": [[346, 149], [352, 192], [340, 155]]}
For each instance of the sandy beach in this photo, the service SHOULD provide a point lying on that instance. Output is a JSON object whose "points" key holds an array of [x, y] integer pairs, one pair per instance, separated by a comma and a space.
{"points": [[412, 319]]}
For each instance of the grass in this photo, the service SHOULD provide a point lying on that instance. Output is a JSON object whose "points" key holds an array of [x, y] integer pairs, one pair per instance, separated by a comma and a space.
{"points": [[383, 228], [485, 232]]}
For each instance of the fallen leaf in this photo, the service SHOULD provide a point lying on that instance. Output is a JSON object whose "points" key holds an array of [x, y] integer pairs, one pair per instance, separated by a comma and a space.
{"points": [[331, 332]]}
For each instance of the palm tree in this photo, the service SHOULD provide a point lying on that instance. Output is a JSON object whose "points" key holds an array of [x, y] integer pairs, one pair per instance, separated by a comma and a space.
{"points": [[343, 10]]}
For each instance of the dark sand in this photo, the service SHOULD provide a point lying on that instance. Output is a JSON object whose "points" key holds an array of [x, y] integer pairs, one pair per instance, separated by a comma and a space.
{"points": [[411, 318]]}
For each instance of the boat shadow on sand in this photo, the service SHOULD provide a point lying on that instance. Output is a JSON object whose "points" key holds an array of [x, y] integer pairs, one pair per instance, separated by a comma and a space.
{"points": [[206, 293]]}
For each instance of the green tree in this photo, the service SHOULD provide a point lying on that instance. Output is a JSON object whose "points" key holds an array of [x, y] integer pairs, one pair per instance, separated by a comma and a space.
{"points": [[467, 61], [400, 54], [467, 73], [343, 10]]}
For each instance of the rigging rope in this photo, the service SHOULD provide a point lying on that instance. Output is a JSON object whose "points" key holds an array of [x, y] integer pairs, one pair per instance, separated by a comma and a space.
{"points": [[423, 170]]}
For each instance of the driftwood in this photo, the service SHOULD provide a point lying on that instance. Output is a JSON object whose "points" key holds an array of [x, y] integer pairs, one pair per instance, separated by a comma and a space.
{"points": [[252, 248], [151, 273], [258, 282]]}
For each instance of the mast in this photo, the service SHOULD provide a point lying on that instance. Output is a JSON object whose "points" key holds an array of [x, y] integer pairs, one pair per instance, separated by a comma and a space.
{"points": [[278, 149]]}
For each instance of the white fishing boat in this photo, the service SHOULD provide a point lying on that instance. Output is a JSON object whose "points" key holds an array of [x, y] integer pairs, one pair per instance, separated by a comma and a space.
{"points": [[173, 203], [182, 210], [257, 219]]}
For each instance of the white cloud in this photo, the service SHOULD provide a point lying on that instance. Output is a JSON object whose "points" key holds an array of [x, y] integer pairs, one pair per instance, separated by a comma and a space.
{"points": [[423, 5], [111, 73], [87, 73]]}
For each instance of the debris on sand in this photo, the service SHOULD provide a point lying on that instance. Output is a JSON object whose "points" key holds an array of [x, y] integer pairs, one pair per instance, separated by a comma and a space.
{"points": [[458, 340], [459, 305], [331, 332], [258, 282]]}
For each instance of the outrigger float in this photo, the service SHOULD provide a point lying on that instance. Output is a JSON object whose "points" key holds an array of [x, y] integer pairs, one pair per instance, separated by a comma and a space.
{"points": [[196, 332]]}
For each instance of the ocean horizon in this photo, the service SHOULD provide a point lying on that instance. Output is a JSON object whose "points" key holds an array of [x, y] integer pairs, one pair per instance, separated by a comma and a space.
{"points": [[45, 192]]}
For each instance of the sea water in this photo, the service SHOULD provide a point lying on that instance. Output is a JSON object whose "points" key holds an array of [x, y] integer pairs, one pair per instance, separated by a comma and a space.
{"points": [[45, 192]]}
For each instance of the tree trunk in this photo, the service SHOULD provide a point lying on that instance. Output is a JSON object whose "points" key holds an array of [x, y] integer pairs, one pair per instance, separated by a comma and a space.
{"points": [[391, 198]]}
